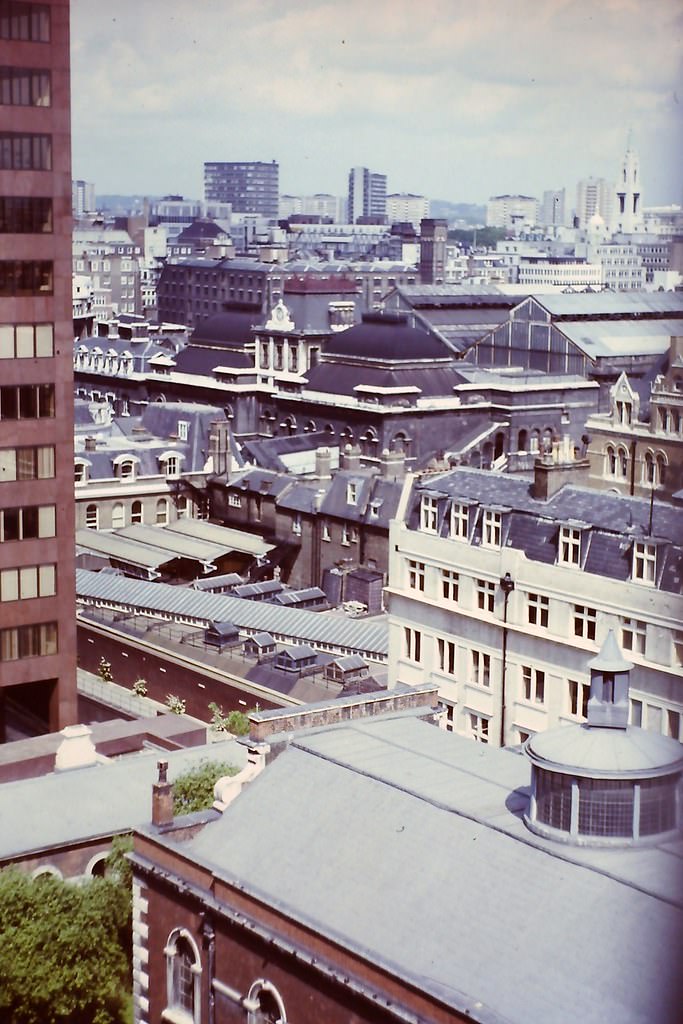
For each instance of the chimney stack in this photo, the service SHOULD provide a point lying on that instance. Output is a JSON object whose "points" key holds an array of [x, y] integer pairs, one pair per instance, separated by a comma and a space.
{"points": [[90, 444], [162, 798], [323, 463]]}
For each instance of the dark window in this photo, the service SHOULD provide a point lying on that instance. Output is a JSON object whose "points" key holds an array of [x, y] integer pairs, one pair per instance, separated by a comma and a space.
{"points": [[27, 401], [554, 799], [25, 215], [25, 87], [26, 277], [24, 21], [606, 807], [20, 152]]}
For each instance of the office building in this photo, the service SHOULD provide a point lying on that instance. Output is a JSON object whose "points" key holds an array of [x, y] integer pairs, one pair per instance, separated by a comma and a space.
{"points": [[37, 589], [593, 196], [367, 194], [82, 198], [406, 208], [512, 213], [250, 186]]}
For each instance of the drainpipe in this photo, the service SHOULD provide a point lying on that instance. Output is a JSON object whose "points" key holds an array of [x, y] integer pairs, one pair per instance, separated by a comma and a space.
{"points": [[507, 585], [633, 468], [209, 943]]}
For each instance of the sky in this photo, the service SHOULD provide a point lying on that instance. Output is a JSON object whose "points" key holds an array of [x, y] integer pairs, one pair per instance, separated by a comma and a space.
{"points": [[450, 99]]}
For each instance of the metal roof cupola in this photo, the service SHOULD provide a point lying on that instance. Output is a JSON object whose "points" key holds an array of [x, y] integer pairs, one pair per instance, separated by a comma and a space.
{"points": [[605, 783]]}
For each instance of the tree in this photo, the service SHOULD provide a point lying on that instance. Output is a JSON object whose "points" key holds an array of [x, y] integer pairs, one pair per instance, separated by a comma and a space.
{"points": [[235, 722], [193, 790], [64, 950]]}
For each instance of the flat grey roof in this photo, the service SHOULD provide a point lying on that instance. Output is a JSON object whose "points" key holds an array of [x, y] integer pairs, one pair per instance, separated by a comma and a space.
{"points": [[104, 799], [343, 635], [122, 549], [405, 844], [224, 536]]}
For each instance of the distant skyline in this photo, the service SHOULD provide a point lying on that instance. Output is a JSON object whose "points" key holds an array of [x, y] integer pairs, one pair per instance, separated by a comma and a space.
{"points": [[453, 100]]}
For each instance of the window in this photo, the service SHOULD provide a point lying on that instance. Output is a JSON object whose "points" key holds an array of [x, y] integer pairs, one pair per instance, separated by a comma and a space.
{"points": [[633, 635], [486, 595], [447, 718], [446, 653], [351, 492], [605, 807], [459, 521], [22, 215], [416, 575], [267, 1002], [570, 546], [118, 516], [24, 87], [34, 641], [296, 524], [26, 582], [234, 500], [92, 517], [136, 515], [644, 561], [412, 643], [27, 463], [478, 727], [183, 977], [578, 694], [429, 513], [491, 531], [624, 412], [537, 609], [26, 341], [172, 466], [450, 582], [27, 523], [26, 277], [127, 469], [533, 684], [585, 620], [636, 712], [162, 511], [183, 430], [23, 21], [554, 799], [616, 462], [481, 668], [27, 401]]}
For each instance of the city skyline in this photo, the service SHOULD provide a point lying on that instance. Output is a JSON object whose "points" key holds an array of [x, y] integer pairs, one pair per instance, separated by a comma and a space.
{"points": [[447, 102]]}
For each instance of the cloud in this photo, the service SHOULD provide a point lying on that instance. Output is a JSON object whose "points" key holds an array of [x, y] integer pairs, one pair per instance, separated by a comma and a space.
{"points": [[393, 83]]}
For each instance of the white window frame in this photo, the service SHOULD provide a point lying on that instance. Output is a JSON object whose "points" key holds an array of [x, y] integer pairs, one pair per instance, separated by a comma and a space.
{"points": [[416, 575], [412, 644], [644, 568], [533, 684], [481, 668], [460, 521], [633, 635], [429, 513], [173, 1013], [446, 651], [492, 528], [450, 585], [92, 517], [486, 595], [538, 610], [478, 727], [569, 547], [578, 693], [585, 621]]}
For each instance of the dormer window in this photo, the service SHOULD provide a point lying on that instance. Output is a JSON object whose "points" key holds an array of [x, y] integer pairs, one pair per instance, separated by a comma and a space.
{"points": [[80, 472], [429, 513], [351, 492], [569, 551], [491, 529], [171, 463], [624, 412], [127, 469], [460, 517], [644, 561], [183, 430]]}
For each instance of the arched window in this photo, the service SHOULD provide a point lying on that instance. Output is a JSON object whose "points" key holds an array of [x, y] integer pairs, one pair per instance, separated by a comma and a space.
{"points": [[118, 516], [183, 976], [162, 511], [184, 507], [310, 427], [369, 442], [136, 515], [610, 461], [271, 1009], [622, 462], [522, 440], [127, 469], [660, 469], [649, 469], [92, 517]]}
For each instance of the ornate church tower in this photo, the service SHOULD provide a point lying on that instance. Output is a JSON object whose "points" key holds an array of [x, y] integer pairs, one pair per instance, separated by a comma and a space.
{"points": [[628, 206]]}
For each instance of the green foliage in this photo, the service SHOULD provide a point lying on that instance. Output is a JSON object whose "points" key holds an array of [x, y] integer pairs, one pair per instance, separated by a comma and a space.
{"points": [[175, 704], [65, 950], [235, 722], [104, 671], [484, 237], [118, 868], [193, 790]]}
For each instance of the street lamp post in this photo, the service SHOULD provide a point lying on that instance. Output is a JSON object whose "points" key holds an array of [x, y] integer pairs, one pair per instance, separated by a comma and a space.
{"points": [[507, 585]]}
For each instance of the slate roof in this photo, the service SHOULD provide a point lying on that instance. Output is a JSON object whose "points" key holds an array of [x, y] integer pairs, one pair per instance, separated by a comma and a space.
{"points": [[505, 926], [232, 328], [266, 452], [387, 338], [349, 636], [337, 377], [614, 521]]}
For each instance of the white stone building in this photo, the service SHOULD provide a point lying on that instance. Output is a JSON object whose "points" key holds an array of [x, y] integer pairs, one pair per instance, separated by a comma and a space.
{"points": [[500, 595]]}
